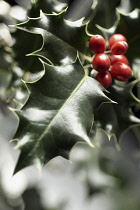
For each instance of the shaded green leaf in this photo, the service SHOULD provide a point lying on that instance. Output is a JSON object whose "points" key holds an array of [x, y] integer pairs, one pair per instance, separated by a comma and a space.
{"points": [[26, 43], [128, 25], [134, 4], [59, 113], [60, 40], [104, 15], [47, 6], [75, 11], [116, 118], [128, 6]]}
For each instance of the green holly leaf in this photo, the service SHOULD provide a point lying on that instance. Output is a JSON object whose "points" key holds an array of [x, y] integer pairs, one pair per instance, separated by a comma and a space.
{"points": [[127, 7], [25, 43], [134, 4], [48, 7], [127, 26], [104, 15], [59, 113], [60, 40], [75, 10], [116, 118]]}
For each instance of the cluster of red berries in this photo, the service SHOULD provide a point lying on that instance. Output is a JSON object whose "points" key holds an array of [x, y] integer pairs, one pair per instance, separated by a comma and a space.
{"points": [[112, 63]]}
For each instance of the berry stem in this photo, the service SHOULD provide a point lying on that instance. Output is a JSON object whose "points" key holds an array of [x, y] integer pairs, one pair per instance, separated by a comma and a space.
{"points": [[87, 58], [107, 51], [88, 69]]}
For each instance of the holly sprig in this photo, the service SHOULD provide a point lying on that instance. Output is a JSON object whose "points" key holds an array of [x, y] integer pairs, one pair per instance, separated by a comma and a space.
{"points": [[65, 104]]}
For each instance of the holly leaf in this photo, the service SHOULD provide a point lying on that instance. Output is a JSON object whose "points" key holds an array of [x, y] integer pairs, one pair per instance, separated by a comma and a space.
{"points": [[134, 4], [8, 118], [25, 43], [127, 26], [75, 10], [60, 40], [114, 119], [48, 7], [104, 15], [127, 7], [58, 114]]}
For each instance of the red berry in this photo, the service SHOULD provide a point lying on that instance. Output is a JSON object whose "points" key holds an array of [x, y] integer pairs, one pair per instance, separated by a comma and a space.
{"points": [[116, 38], [104, 78], [119, 58], [97, 44], [101, 62], [119, 48], [121, 71]]}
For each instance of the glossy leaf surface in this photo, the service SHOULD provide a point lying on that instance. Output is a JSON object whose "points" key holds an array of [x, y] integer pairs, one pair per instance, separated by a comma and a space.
{"points": [[60, 40], [59, 113], [48, 7]]}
